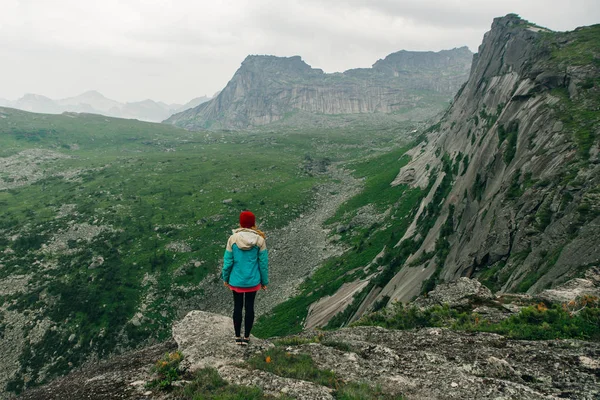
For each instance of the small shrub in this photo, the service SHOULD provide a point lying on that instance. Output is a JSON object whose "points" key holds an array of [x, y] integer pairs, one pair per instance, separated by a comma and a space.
{"points": [[578, 319], [167, 370], [478, 187]]}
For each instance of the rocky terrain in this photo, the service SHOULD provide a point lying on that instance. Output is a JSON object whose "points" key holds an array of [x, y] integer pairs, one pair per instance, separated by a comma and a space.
{"points": [[429, 363], [266, 89]]}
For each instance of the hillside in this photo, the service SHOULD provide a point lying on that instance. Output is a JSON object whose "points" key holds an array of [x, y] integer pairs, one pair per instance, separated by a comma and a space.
{"points": [[111, 229], [266, 89]]}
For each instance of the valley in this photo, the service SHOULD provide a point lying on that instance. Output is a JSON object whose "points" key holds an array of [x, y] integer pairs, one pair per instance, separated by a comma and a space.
{"points": [[112, 229], [470, 222]]}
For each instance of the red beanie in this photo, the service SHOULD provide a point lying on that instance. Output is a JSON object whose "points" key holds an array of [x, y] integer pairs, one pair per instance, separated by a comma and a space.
{"points": [[247, 219]]}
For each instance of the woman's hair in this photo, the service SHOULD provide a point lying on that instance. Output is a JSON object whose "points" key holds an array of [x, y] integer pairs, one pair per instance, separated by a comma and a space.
{"points": [[261, 233]]}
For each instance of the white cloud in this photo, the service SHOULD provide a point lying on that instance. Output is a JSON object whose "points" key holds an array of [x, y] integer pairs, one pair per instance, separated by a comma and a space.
{"points": [[175, 50]]}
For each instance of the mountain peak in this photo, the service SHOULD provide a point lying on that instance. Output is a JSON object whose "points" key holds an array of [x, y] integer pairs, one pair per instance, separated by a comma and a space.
{"points": [[274, 64], [92, 94]]}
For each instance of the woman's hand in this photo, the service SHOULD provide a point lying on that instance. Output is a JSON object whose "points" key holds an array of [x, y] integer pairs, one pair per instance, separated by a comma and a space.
{"points": [[226, 285], [263, 287]]}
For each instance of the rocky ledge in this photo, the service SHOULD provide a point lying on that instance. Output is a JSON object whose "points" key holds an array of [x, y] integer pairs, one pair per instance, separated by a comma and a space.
{"points": [[432, 363]]}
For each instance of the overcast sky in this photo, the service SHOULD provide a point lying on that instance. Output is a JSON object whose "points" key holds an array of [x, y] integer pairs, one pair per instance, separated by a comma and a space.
{"points": [[176, 50]]}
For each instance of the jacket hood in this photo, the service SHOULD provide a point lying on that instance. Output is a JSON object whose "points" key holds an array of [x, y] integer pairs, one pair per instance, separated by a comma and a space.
{"points": [[245, 238]]}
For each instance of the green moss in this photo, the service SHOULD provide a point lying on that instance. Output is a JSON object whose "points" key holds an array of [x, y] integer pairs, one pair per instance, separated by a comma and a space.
{"points": [[490, 277], [541, 269], [582, 48], [442, 249], [543, 217], [465, 165]]}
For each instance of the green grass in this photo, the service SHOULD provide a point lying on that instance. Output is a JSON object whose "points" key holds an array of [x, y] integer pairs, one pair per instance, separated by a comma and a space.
{"points": [[363, 391], [297, 366], [580, 117], [379, 172], [296, 341], [510, 134], [583, 47]]}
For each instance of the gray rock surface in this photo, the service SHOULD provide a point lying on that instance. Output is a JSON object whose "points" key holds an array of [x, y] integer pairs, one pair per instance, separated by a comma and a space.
{"points": [[574, 288], [206, 340], [430, 363], [460, 293]]}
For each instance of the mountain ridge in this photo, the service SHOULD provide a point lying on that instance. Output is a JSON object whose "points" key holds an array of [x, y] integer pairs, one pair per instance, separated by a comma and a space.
{"points": [[94, 102], [268, 88]]}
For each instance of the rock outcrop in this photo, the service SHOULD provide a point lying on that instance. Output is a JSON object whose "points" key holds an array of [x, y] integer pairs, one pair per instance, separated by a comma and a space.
{"points": [[428, 363], [575, 288], [461, 293], [268, 88]]}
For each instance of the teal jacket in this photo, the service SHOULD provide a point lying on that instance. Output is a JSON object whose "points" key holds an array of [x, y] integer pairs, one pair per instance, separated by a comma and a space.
{"points": [[246, 260]]}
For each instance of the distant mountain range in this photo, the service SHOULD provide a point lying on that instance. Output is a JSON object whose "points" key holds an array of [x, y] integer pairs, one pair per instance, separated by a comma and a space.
{"points": [[267, 89], [94, 102]]}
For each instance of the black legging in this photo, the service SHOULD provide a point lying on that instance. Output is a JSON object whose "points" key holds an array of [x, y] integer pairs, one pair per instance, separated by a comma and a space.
{"points": [[238, 304]]}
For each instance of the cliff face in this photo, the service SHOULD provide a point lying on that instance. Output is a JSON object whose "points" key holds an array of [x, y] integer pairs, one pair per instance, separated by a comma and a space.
{"points": [[267, 88], [512, 170]]}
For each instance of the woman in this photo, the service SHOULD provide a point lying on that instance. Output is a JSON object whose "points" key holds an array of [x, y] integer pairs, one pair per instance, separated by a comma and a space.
{"points": [[245, 272]]}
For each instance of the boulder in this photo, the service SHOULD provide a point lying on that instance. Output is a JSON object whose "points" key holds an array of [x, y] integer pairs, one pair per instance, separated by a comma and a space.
{"points": [[460, 293], [207, 340], [575, 288]]}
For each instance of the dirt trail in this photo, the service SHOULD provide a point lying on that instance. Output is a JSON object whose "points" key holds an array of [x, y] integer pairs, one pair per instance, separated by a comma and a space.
{"points": [[294, 250]]}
